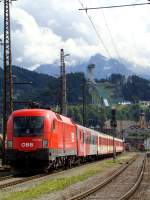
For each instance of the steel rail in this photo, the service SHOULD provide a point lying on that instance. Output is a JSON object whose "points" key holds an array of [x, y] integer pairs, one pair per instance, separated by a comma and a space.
{"points": [[3, 178], [53, 172], [131, 191], [16, 182], [23, 180], [105, 182], [4, 169]]}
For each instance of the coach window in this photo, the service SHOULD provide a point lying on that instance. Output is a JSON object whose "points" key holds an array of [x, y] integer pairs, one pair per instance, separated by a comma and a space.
{"points": [[93, 139], [99, 140], [90, 139], [80, 135], [53, 125], [86, 139], [84, 135]]}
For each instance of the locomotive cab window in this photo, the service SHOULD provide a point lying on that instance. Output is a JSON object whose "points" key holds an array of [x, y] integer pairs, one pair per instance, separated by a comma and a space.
{"points": [[28, 126]]}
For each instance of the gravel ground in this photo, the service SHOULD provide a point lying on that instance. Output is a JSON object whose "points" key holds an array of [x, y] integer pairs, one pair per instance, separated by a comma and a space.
{"points": [[121, 184], [143, 192], [71, 190], [9, 180], [78, 187]]}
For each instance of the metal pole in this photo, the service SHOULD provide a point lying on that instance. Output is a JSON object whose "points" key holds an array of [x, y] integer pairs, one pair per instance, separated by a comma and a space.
{"points": [[84, 102], [114, 146], [61, 80], [7, 56], [63, 93], [7, 80]]}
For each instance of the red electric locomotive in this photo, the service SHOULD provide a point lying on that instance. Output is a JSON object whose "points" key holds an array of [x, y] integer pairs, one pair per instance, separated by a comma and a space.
{"points": [[40, 138]]}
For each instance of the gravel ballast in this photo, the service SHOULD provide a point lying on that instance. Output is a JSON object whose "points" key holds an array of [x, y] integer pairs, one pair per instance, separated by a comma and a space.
{"points": [[71, 190]]}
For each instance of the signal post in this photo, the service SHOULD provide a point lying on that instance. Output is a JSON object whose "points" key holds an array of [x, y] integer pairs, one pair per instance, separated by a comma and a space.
{"points": [[113, 124]]}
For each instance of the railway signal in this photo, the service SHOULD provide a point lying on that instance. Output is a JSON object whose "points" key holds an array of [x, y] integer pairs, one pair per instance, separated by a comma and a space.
{"points": [[113, 124], [84, 101]]}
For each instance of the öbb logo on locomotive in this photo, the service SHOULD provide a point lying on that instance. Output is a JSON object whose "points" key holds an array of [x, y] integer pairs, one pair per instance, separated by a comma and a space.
{"points": [[27, 144]]}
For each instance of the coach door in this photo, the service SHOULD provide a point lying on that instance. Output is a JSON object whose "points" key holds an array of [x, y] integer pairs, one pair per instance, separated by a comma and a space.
{"points": [[80, 142]]}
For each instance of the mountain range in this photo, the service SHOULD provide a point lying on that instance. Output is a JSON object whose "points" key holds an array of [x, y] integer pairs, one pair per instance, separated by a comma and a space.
{"points": [[104, 67]]}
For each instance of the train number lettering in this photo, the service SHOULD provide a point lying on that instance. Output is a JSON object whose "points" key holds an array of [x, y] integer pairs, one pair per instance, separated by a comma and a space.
{"points": [[27, 144]]}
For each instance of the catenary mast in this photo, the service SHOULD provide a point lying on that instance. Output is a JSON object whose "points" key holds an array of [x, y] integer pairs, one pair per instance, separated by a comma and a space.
{"points": [[7, 79]]}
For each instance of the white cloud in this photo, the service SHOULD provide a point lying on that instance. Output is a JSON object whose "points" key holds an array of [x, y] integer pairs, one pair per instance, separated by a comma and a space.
{"points": [[37, 44], [42, 27]]}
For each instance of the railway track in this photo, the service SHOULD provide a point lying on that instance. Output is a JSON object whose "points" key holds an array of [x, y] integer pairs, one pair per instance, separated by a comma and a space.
{"points": [[143, 191], [4, 183], [9, 181], [3, 178], [4, 169], [130, 192], [103, 191]]}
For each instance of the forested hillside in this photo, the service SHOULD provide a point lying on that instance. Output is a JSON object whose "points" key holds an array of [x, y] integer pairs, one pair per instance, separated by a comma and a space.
{"points": [[46, 89], [132, 88]]}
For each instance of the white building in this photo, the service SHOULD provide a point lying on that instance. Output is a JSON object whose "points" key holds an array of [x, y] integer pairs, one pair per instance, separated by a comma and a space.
{"points": [[147, 143]]}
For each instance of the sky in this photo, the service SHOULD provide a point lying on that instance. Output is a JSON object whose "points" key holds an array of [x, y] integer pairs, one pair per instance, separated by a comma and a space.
{"points": [[41, 28]]}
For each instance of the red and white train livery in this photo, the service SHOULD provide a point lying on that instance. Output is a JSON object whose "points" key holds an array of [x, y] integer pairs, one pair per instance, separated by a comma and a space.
{"points": [[42, 138]]}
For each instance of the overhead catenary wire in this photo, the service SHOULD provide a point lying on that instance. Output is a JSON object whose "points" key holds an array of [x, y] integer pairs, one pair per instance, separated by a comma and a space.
{"points": [[107, 25], [111, 37], [96, 31], [115, 6]]}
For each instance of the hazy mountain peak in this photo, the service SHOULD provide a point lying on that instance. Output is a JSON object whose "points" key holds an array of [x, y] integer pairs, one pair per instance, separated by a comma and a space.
{"points": [[104, 67]]}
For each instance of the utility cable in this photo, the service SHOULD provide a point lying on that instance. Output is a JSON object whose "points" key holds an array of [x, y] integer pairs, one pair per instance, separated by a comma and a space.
{"points": [[111, 37], [96, 31]]}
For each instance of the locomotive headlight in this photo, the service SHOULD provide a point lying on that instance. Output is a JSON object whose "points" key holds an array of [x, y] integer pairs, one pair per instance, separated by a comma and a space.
{"points": [[45, 143], [9, 144]]}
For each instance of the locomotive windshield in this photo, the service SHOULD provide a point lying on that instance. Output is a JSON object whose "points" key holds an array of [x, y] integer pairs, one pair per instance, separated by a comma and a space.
{"points": [[28, 126]]}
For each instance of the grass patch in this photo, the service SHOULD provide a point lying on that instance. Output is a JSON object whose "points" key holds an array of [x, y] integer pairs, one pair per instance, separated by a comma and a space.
{"points": [[61, 183]]}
